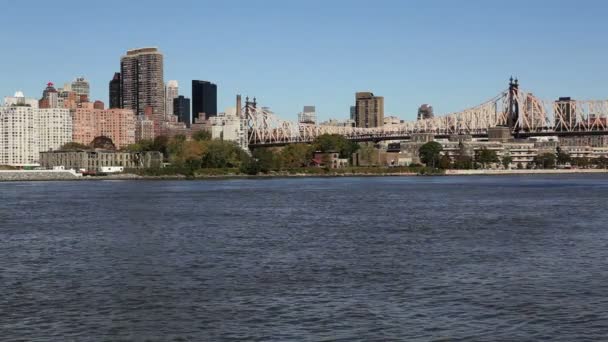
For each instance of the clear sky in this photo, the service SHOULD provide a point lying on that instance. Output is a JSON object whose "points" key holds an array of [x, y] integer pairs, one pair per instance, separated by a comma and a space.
{"points": [[451, 54]]}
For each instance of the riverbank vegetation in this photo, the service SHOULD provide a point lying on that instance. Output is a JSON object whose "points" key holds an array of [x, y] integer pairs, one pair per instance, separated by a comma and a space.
{"points": [[201, 157]]}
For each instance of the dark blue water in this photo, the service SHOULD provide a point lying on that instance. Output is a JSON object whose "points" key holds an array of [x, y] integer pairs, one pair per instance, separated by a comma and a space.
{"points": [[327, 259]]}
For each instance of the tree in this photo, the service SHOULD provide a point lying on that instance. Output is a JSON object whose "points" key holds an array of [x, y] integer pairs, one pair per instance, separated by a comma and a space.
{"points": [[335, 143], [265, 159], [581, 162], [601, 162], [486, 156], [223, 154], [463, 162], [520, 166], [562, 158], [201, 135], [103, 142], [506, 161], [430, 153], [545, 161], [295, 156], [191, 155], [160, 144], [366, 154], [74, 146], [445, 162]]}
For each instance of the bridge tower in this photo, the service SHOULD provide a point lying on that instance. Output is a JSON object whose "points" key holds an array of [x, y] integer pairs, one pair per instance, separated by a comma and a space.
{"points": [[513, 105]]}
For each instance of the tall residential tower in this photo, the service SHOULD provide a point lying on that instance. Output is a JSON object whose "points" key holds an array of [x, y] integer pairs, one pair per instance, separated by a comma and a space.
{"points": [[141, 83], [369, 110], [171, 92]]}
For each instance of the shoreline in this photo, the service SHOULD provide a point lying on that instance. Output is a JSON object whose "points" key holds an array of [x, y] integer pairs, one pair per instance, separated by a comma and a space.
{"points": [[27, 176]]}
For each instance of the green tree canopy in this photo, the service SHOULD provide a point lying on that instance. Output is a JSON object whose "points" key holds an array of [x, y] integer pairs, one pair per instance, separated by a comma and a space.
{"points": [[201, 135], [506, 161], [295, 156], [430, 153], [601, 162], [223, 154], [545, 161], [445, 162], [562, 158], [486, 156], [335, 143]]}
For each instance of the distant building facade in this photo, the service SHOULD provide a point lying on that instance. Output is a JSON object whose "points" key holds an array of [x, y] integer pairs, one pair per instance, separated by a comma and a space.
{"points": [[338, 123], [204, 100], [116, 124], [391, 120], [308, 115], [229, 126], [20, 100], [27, 131], [142, 85], [171, 92], [181, 108], [565, 118], [94, 160], [144, 128], [425, 112], [50, 97], [81, 87], [370, 110], [115, 92]]}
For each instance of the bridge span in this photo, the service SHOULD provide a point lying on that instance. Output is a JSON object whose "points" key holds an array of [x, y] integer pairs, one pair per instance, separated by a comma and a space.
{"points": [[523, 113]]}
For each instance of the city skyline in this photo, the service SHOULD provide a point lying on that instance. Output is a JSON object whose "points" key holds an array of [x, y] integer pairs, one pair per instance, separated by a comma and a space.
{"points": [[428, 56]]}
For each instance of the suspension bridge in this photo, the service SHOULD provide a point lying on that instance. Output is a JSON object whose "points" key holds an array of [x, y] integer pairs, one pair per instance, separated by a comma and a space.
{"points": [[522, 112]]}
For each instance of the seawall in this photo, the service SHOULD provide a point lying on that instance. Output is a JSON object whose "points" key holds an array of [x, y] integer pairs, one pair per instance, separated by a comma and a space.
{"points": [[522, 172], [30, 175]]}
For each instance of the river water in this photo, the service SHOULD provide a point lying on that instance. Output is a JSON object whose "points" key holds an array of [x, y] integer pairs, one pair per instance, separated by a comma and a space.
{"points": [[509, 258]]}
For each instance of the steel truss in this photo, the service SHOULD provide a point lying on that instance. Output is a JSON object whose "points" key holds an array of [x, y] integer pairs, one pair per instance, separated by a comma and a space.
{"points": [[534, 115]]}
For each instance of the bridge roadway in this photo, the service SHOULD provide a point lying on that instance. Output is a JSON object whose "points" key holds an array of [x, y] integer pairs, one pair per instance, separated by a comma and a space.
{"points": [[379, 138]]}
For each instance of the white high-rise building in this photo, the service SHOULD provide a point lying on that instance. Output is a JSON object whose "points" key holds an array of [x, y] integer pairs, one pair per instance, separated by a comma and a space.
{"points": [[20, 100], [27, 131], [229, 126], [171, 92]]}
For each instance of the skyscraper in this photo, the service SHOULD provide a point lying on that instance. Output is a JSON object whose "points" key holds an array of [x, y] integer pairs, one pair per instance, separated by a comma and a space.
{"points": [[204, 99], [50, 97], [425, 112], [142, 84], [81, 87], [171, 92], [115, 93], [308, 115], [181, 108], [369, 110]]}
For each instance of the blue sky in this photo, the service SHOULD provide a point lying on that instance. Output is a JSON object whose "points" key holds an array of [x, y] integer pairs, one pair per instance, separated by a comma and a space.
{"points": [[451, 54]]}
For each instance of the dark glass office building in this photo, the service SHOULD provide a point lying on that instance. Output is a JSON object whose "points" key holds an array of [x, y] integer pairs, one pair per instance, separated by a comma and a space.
{"points": [[204, 100], [115, 93], [181, 108]]}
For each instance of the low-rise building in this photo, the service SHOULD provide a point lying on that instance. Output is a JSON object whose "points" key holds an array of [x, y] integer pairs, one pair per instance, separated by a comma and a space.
{"points": [[94, 160], [329, 159]]}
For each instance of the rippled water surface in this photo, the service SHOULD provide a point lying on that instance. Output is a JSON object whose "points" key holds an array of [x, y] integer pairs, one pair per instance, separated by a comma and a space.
{"points": [[325, 259]]}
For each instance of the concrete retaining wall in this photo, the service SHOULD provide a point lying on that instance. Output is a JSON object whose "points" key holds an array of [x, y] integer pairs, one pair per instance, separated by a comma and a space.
{"points": [[522, 172], [26, 175]]}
